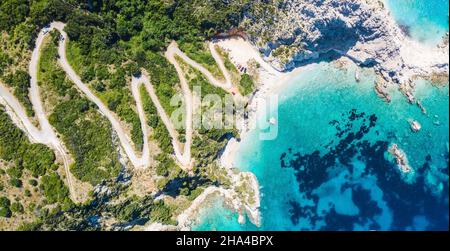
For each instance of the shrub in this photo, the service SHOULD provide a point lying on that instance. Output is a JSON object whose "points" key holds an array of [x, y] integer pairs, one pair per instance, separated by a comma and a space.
{"points": [[246, 85], [15, 182], [33, 182], [54, 189], [5, 204], [16, 207]]}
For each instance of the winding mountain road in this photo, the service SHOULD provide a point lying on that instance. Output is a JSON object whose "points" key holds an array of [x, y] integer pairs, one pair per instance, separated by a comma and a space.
{"points": [[170, 55], [227, 85], [137, 161], [47, 135], [143, 79]]}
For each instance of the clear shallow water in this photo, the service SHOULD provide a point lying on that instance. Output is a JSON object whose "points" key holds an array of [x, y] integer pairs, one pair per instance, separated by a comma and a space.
{"points": [[329, 167], [427, 20], [217, 216]]}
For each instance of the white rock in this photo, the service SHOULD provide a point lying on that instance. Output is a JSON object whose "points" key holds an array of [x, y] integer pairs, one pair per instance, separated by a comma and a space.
{"points": [[415, 126]]}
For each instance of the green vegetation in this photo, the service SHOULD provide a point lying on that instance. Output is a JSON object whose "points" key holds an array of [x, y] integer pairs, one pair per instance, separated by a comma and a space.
{"points": [[199, 52], [37, 159], [132, 209], [164, 78], [15, 182], [13, 13], [38, 166], [20, 21], [87, 135], [108, 80], [195, 193], [196, 79], [16, 207], [235, 76], [5, 210], [244, 82], [162, 213], [125, 211], [84, 131], [20, 82], [166, 164], [207, 143], [245, 191], [33, 182], [246, 85], [55, 190], [15, 147], [14, 172], [4, 61], [109, 42]]}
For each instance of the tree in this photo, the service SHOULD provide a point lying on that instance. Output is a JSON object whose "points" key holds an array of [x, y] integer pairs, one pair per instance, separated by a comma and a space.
{"points": [[4, 61], [38, 158], [54, 188], [5, 211], [16, 207], [14, 172], [33, 182], [13, 12], [15, 182]]}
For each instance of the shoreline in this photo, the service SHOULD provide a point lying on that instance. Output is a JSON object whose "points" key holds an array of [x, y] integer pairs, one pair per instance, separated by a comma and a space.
{"points": [[231, 199], [270, 81]]}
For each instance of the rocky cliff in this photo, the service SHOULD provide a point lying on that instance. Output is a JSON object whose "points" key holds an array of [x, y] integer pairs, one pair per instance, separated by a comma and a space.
{"points": [[292, 33]]}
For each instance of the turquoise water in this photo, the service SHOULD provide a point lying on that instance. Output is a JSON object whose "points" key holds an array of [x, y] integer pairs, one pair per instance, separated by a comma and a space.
{"points": [[427, 19], [217, 216], [328, 168], [351, 183]]}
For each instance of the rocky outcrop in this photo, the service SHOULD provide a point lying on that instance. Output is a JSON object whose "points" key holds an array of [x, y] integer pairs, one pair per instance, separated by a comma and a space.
{"points": [[294, 33], [400, 157], [415, 126]]}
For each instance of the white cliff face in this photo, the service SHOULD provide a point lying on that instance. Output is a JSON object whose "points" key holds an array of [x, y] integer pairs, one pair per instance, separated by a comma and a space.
{"points": [[297, 32]]}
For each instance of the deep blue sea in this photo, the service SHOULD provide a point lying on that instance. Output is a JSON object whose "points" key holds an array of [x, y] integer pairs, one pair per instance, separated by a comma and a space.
{"points": [[329, 168]]}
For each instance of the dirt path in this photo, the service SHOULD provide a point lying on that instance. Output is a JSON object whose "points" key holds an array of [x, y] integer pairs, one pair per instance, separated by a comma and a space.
{"points": [[227, 85], [137, 161], [143, 79], [45, 134], [124, 140], [221, 65], [170, 55]]}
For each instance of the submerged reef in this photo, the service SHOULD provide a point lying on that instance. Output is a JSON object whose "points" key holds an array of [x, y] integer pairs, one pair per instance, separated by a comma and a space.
{"points": [[358, 169]]}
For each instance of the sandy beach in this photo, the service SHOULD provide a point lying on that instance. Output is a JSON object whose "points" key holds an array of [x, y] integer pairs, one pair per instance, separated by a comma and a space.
{"points": [[271, 81]]}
